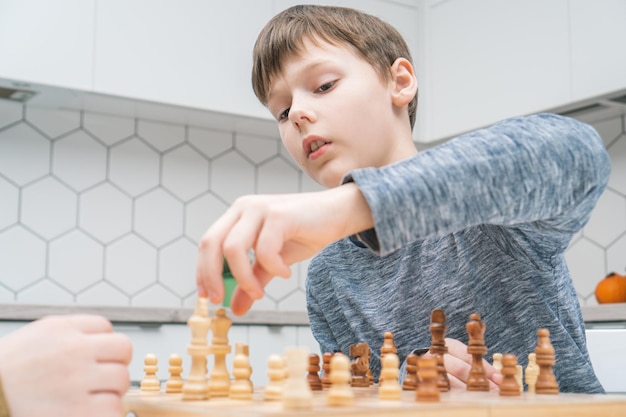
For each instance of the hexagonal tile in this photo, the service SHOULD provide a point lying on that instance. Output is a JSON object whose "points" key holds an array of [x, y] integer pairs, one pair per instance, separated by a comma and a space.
{"points": [[202, 213], [53, 122], [277, 176], [616, 256], [102, 293], [75, 261], [45, 292], [131, 264], [105, 212], [255, 148], [24, 154], [108, 129], [158, 217], [608, 220], [278, 288], [185, 172], [6, 296], [155, 296], [79, 160], [617, 152], [296, 301], [10, 112], [586, 263], [177, 267], [160, 135], [134, 167], [22, 256], [9, 203], [210, 142], [609, 129], [232, 176], [48, 207]]}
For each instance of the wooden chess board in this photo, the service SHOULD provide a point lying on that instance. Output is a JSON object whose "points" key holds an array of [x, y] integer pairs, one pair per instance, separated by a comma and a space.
{"points": [[454, 403]]}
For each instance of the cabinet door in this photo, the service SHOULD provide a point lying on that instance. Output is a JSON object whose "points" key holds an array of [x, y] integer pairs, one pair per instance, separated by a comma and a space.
{"points": [[598, 47], [47, 41], [491, 59], [193, 53]]}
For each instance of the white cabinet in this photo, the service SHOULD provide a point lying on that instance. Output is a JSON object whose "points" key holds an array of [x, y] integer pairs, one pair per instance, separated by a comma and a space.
{"points": [[491, 59], [47, 42], [193, 53], [598, 47]]}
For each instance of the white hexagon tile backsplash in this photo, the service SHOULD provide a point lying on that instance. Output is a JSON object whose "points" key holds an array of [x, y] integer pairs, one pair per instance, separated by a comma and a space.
{"points": [[105, 210]]}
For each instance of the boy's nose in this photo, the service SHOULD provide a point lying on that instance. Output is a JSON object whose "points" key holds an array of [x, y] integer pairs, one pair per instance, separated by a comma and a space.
{"points": [[301, 113]]}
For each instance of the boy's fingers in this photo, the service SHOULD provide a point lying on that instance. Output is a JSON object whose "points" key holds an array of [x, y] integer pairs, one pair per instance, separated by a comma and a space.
{"points": [[241, 301], [237, 244]]}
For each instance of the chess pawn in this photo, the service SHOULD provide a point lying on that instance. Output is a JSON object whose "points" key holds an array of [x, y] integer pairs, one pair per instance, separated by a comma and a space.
{"points": [[326, 357], [340, 393], [276, 374], [519, 377], [313, 377], [175, 383], [297, 394], [427, 390], [388, 347], [241, 388], [509, 385], [390, 388], [410, 380], [497, 362], [546, 382], [532, 372], [150, 382]]}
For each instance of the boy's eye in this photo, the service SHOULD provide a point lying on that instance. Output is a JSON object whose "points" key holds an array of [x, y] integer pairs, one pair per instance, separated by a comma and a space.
{"points": [[284, 115], [326, 86]]}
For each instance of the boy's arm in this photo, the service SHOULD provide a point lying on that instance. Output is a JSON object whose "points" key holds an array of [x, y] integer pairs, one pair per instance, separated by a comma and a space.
{"points": [[281, 230], [538, 173]]}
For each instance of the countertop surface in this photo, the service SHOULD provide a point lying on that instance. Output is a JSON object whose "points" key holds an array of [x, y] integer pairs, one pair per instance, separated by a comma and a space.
{"points": [[607, 314]]}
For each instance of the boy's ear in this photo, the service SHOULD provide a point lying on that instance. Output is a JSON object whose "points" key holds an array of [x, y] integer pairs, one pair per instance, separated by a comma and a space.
{"points": [[403, 82]]}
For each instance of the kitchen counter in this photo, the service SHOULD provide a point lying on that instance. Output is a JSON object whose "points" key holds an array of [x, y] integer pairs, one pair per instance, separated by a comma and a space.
{"points": [[600, 315]]}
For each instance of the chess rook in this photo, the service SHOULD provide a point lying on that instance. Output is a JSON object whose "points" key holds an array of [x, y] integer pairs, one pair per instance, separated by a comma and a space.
{"points": [[297, 394], [427, 390]]}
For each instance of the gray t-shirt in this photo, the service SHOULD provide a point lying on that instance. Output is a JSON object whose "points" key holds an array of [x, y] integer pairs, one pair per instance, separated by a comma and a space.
{"points": [[477, 225]]}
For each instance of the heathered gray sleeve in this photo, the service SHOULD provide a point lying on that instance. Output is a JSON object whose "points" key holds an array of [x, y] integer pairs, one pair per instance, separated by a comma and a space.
{"points": [[544, 170]]}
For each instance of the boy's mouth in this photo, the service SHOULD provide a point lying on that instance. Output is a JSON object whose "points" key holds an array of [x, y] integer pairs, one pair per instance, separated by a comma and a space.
{"points": [[313, 146]]}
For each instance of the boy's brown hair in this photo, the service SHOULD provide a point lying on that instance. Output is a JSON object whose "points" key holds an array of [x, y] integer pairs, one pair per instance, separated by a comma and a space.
{"points": [[376, 41]]}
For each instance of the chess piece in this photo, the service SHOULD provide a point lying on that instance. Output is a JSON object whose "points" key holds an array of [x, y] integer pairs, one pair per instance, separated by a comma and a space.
{"points": [[175, 383], [297, 394], [313, 377], [438, 347], [340, 393], [427, 390], [544, 352], [219, 382], [410, 380], [150, 382], [276, 374], [360, 365], [532, 372], [196, 386], [519, 377], [326, 357], [241, 388], [477, 380], [388, 347], [497, 361], [390, 388], [509, 385]]}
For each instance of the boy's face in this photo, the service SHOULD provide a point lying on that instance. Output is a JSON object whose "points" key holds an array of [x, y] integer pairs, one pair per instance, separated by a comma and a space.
{"points": [[335, 113]]}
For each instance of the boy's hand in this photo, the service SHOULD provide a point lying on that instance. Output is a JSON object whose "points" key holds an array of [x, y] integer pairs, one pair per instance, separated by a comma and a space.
{"points": [[281, 230], [69, 366], [458, 364]]}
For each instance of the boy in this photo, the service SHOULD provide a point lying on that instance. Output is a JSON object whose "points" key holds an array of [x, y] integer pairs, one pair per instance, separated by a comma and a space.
{"points": [[478, 224]]}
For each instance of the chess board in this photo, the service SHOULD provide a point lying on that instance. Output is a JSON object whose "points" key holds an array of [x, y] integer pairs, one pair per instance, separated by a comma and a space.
{"points": [[366, 403]]}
